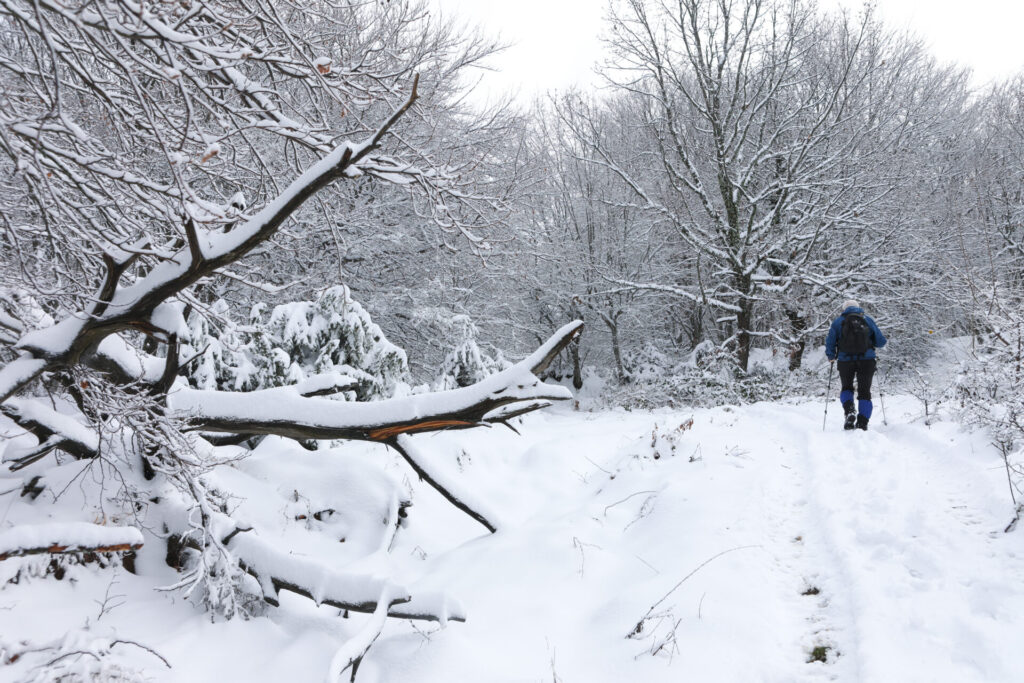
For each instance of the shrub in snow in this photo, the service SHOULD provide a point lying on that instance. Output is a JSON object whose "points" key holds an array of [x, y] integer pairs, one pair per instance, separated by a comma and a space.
{"points": [[989, 383], [467, 363], [708, 376], [666, 439], [294, 342], [988, 389], [80, 655]]}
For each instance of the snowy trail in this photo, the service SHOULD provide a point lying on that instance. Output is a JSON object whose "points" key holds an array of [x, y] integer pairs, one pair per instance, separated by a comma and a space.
{"points": [[933, 584], [744, 544], [884, 548]]}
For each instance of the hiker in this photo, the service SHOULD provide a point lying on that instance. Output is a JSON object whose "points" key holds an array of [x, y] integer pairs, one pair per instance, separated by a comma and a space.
{"points": [[852, 339]]}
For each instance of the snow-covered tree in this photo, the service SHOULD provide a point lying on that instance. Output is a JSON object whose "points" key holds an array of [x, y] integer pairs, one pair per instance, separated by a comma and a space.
{"points": [[772, 128], [586, 232], [467, 363], [153, 152], [333, 335]]}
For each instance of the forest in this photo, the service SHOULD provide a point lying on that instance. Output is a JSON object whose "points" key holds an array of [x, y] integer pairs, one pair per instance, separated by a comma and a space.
{"points": [[292, 329]]}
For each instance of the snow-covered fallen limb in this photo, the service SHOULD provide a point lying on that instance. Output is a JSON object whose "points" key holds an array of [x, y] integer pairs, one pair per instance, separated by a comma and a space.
{"points": [[458, 496], [438, 607], [125, 363], [52, 429], [349, 654], [277, 570], [67, 537], [272, 411]]}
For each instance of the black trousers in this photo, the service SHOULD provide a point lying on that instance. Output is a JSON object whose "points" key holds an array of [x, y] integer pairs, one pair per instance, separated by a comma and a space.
{"points": [[863, 370]]}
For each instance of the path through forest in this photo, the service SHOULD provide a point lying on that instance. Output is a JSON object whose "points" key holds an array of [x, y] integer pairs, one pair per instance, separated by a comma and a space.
{"points": [[747, 545], [880, 553]]}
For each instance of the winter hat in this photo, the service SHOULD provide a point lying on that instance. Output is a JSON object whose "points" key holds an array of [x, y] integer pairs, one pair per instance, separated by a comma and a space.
{"points": [[850, 303]]}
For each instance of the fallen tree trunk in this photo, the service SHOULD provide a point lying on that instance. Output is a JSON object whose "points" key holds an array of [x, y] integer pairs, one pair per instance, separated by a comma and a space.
{"points": [[286, 413], [65, 538]]}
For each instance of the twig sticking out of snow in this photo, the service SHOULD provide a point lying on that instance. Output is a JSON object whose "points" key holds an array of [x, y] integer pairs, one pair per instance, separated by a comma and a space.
{"points": [[639, 628]]}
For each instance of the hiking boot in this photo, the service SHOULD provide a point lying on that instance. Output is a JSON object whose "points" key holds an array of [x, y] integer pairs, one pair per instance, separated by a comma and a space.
{"points": [[851, 419], [862, 422]]}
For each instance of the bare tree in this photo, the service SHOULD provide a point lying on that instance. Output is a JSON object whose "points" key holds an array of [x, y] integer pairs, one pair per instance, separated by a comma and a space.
{"points": [[771, 128], [586, 232]]}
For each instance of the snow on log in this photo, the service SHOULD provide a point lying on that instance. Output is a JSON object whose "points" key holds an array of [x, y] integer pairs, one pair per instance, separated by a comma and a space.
{"points": [[355, 647], [326, 384], [271, 411], [125, 363], [67, 537], [277, 570], [429, 606], [53, 430], [539, 360]]}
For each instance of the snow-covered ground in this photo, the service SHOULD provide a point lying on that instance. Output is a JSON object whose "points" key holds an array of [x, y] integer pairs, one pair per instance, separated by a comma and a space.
{"points": [[633, 546]]}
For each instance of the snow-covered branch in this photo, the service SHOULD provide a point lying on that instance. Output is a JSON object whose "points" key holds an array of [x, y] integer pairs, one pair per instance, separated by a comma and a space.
{"points": [[277, 570], [286, 412], [52, 429], [131, 307], [69, 537]]}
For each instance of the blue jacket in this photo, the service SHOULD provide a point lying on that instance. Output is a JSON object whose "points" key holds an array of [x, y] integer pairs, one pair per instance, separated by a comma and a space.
{"points": [[832, 340]]}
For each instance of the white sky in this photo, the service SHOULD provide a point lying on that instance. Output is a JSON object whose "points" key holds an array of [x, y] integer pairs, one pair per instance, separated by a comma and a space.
{"points": [[557, 42]]}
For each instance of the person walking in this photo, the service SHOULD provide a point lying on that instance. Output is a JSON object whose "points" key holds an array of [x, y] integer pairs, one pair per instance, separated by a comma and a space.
{"points": [[851, 343]]}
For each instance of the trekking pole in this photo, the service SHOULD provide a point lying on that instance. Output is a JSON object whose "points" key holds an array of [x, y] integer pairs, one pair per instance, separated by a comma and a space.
{"points": [[828, 394], [881, 399]]}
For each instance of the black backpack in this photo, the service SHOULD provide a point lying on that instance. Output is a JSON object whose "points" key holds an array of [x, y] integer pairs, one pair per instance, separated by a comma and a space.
{"points": [[855, 335]]}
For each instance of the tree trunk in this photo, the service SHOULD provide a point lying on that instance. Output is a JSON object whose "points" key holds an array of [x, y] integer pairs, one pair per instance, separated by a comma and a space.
{"points": [[798, 324], [744, 319], [620, 372], [577, 368]]}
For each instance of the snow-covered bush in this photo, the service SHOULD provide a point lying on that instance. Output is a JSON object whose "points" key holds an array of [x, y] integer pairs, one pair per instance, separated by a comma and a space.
{"points": [[708, 376], [988, 389], [333, 334], [467, 363]]}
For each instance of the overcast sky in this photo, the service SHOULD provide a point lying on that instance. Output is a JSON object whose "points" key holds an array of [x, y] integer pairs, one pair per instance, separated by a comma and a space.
{"points": [[557, 42]]}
